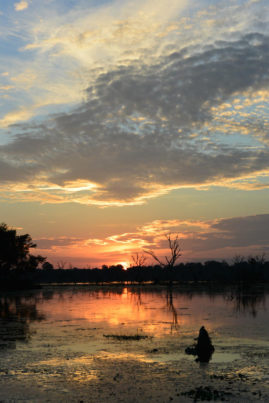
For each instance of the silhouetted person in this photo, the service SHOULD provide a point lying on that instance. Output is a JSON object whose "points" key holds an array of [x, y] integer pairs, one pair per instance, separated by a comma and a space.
{"points": [[204, 347]]}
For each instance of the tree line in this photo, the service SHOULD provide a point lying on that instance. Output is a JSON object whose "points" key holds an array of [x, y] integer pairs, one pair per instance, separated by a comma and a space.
{"points": [[251, 270], [19, 267]]}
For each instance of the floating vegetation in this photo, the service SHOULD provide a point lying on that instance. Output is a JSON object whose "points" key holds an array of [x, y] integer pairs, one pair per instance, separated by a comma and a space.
{"points": [[126, 337], [206, 393]]}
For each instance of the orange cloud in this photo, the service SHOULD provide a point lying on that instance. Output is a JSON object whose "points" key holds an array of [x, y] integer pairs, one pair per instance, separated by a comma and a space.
{"points": [[221, 238], [117, 248]]}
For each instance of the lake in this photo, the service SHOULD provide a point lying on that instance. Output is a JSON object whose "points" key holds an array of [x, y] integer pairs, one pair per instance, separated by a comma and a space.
{"points": [[127, 344]]}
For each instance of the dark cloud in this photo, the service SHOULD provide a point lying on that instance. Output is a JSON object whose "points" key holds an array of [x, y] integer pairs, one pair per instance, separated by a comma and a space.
{"points": [[246, 230], [135, 129], [249, 232], [14, 172], [183, 89]]}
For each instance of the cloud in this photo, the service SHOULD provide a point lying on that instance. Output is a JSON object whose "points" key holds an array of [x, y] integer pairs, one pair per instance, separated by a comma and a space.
{"points": [[61, 47], [54, 243], [131, 159], [66, 48], [221, 238], [178, 109], [15, 116], [199, 240], [22, 5]]}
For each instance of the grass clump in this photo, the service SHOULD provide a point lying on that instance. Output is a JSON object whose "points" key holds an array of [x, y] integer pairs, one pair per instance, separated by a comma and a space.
{"points": [[126, 337], [206, 393]]}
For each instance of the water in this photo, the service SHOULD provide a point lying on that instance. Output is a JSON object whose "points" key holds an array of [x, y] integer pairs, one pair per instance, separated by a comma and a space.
{"points": [[53, 344]]}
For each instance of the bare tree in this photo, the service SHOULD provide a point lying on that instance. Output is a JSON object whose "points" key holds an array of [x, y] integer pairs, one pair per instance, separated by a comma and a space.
{"points": [[251, 259], [174, 253], [238, 259], [138, 259], [61, 264]]}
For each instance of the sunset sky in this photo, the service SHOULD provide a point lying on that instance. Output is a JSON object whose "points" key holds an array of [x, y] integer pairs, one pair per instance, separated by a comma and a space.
{"points": [[123, 121]]}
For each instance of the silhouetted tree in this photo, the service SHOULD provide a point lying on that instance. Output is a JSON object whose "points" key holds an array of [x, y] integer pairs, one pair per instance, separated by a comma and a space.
{"points": [[257, 259], [239, 260], [47, 266], [61, 264], [138, 259], [15, 251], [174, 253]]}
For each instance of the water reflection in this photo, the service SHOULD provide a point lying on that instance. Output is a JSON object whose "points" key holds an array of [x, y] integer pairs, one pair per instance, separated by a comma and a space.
{"points": [[16, 314], [247, 300], [127, 310], [171, 308], [152, 310], [157, 310]]}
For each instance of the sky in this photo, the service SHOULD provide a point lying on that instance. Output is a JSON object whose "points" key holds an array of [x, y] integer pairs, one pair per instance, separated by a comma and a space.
{"points": [[124, 121]]}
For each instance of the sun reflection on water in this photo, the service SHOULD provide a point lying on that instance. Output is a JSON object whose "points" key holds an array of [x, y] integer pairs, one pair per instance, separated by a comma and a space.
{"points": [[155, 312], [125, 308]]}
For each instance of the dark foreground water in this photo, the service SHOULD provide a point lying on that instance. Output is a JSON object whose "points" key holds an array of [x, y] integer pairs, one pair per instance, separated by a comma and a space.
{"points": [[54, 344]]}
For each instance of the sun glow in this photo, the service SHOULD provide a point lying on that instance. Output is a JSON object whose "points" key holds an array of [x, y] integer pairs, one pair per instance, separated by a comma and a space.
{"points": [[125, 265]]}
